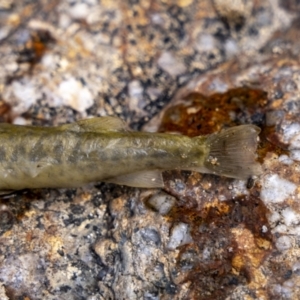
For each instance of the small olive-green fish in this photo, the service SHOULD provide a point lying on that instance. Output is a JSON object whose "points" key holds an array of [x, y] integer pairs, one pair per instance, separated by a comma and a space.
{"points": [[102, 149]]}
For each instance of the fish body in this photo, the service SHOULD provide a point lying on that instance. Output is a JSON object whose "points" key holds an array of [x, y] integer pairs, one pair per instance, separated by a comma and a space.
{"points": [[101, 149]]}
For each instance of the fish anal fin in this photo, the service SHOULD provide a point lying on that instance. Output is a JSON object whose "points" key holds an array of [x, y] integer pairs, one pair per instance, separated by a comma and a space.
{"points": [[142, 179], [97, 124]]}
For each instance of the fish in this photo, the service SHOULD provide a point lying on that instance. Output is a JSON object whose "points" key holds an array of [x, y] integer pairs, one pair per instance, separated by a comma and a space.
{"points": [[103, 149]]}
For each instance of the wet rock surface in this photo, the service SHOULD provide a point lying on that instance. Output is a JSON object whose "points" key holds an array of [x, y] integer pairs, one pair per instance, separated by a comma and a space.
{"points": [[199, 66]]}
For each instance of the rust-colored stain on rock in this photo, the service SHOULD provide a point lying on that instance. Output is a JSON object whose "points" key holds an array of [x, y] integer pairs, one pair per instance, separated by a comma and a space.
{"points": [[230, 233], [199, 114], [229, 246]]}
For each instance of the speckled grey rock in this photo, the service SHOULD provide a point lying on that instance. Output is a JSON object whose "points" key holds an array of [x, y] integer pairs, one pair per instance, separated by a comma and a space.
{"points": [[202, 237]]}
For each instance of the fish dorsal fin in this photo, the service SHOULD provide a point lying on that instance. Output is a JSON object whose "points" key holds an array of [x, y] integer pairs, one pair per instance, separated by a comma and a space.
{"points": [[97, 124], [142, 179]]}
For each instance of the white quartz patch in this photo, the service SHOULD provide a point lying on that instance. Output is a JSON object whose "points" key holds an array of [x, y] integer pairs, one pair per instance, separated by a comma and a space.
{"points": [[26, 94], [2, 292], [75, 95], [285, 159], [283, 243], [295, 154], [135, 91], [290, 217], [162, 203], [206, 43], [291, 135], [79, 11], [170, 64], [20, 121], [276, 189], [180, 235]]}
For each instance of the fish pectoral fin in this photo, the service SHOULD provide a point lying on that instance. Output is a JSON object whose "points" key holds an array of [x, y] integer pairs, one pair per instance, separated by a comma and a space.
{"points": [[97, 124], [142, 179]]}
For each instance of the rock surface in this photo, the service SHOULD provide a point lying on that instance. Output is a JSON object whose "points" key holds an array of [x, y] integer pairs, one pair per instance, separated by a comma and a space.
{"points": [[199, 66]]}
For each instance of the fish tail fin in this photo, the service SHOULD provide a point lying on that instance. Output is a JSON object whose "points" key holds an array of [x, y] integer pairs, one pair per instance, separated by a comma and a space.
{"points": [[233, 152]]}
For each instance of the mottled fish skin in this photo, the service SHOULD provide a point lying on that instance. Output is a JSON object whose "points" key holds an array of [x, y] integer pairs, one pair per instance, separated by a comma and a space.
{"points": [[101, 149]]}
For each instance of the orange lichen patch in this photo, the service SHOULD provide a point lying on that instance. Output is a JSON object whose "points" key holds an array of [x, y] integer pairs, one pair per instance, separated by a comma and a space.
{"points": [[249, 255], [55, 243], [14, 20], [82, 197], [223, 207], [35, 47], [199, 115], [32, 52], [7, 234], [184, 3], [29, 213], [33, 241], [263, 244], [117, 205], [29, 236]]}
